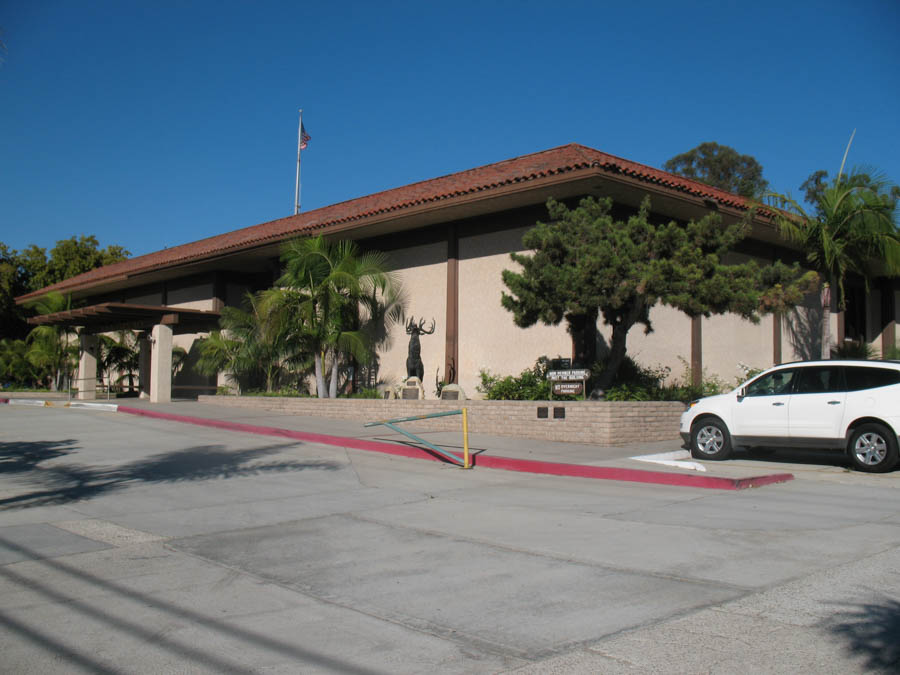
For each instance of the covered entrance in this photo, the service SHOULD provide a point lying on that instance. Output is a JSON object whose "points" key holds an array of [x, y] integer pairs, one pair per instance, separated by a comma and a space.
{"points": [[155, 325]]}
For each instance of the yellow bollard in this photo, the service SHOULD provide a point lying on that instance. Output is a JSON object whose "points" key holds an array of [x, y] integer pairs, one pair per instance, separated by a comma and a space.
{"points": [[466, 463]]}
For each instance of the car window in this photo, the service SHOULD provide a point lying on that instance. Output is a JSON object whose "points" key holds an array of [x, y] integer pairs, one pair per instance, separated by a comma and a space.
{"points": [[861, 377], [771, 384], [818, 380]]}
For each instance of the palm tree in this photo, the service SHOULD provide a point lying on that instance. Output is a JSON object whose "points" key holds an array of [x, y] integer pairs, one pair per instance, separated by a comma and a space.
{"points": [[218, 353], [381, 311], [120, 354], [854, 230], [329, 279], [255, 343], [48, 346], [14, 364]]}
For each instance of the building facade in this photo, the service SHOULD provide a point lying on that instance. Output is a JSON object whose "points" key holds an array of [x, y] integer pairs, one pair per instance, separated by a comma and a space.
{"points": [[449, 239]]}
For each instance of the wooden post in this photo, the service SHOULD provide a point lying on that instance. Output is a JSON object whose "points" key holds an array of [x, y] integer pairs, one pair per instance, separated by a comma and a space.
{"points": [[888, 318], [776, 338], [451, 344]]}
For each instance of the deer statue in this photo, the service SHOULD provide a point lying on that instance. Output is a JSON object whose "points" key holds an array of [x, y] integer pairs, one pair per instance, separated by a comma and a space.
{"points": [[414, 366]]}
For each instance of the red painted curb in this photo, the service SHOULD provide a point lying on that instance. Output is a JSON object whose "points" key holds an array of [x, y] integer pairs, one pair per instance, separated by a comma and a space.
{"points": [[488, 462]]}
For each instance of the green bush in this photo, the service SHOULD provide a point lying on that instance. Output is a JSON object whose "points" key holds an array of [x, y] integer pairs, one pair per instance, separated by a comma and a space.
{"points": [[852, 349], [285, 392], [638, 383], [633, 382], [366, 393], [530, 385], [630, 392], [891, 354]]}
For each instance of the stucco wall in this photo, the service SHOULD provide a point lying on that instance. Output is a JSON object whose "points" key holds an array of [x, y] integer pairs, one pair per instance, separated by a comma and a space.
{"points": [[669, 341], [729, 340], [488, 338], [423, 272]]}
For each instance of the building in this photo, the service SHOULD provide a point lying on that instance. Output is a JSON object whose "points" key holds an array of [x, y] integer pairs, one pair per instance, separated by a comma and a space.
{"points": [[449, 238]]}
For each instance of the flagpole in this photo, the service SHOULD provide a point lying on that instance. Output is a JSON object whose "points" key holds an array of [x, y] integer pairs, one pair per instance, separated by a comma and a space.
{"points": [[297, 183]]}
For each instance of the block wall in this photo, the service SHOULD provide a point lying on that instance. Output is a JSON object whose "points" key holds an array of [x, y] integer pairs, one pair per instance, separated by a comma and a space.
{"points": [[590, 422]]}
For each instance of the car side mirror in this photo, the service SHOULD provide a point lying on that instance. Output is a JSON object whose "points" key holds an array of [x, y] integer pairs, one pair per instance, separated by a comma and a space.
{"points": [[741, 394]]}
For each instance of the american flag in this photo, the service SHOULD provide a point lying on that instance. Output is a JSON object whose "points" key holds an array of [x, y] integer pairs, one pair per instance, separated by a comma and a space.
{"points": [[305, 138]]}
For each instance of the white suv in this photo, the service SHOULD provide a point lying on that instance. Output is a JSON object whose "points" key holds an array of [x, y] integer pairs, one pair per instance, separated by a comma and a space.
{"points": [[845, 405]]}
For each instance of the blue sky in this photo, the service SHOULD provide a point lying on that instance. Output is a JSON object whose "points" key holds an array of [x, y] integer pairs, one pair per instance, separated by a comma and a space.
{"points": [[151, 124]]}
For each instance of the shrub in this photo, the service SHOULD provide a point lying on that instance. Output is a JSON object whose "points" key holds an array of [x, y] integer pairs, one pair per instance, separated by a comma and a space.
{"points": [[633, 382], [366, 393], [639, 383], [891, 354], [530, 385], [630, 392], [852, 349]]}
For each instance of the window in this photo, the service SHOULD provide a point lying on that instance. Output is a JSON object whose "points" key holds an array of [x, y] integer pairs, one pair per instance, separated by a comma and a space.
{"points": [[860, 377], [772, 384], [818, 380]]}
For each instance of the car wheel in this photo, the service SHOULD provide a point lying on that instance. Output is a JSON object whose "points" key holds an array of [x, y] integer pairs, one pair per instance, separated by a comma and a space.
{"points": [[873, 448], [710, 439]]}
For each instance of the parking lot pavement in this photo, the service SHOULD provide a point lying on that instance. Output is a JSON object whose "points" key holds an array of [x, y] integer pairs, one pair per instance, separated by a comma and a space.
{"points": [[130, 544]]}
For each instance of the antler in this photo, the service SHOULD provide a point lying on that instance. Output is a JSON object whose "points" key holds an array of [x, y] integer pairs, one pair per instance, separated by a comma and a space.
{"points": [[419, 328]]}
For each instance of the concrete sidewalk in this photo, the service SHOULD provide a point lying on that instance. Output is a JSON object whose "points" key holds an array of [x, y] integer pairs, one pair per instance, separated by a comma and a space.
{"points": [[664, 462]]}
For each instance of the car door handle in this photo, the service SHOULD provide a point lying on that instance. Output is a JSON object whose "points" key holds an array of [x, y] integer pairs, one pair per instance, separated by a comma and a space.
{"points": [[778, 403], [834, 402]]}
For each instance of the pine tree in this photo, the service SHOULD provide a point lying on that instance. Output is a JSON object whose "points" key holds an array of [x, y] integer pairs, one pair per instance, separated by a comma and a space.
{"points": [[585, 262]]}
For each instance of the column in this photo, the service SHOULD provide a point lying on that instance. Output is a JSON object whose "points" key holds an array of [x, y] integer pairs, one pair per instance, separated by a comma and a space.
{"points": [[87, 367], [144, 366], [161, 364]]}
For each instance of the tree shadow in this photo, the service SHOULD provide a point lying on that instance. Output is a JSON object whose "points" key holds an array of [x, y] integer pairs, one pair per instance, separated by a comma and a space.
{"points": [[805, 332], [65, 483], [190, 655], [18, 456], [870, 630]]}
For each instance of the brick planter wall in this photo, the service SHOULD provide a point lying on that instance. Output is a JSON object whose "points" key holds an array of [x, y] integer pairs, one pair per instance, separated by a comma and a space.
{"points": [[590, 422]]}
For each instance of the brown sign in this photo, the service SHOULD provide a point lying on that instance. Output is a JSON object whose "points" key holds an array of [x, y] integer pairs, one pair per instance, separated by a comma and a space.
{"points": [[568, 388]]}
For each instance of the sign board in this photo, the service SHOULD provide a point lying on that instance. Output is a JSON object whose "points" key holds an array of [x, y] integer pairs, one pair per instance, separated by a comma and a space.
{"points": [[560, 364], [568, 375], [568, 388]]}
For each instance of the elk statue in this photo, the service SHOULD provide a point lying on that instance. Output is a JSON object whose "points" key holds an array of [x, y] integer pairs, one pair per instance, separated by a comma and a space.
{"points": [[414, 366]]}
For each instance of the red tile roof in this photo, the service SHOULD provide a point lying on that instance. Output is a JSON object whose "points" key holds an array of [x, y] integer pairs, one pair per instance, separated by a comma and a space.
{"points": [[570, 158]]}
